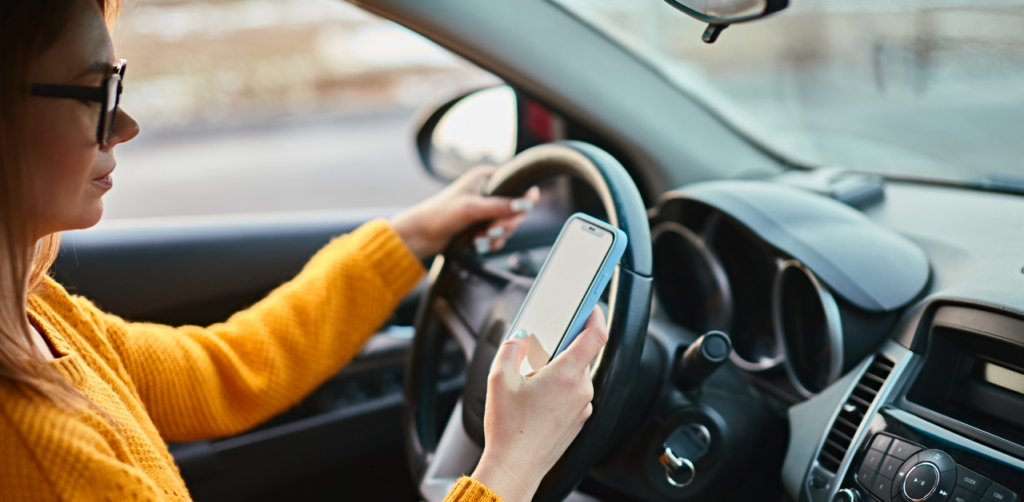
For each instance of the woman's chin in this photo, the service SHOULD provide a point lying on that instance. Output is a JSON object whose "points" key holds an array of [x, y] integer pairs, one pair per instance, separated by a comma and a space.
{"points": [[89, 217]]}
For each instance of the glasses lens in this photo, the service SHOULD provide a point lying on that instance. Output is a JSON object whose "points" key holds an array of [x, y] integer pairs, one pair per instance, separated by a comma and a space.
{"points": [[110, 108]]}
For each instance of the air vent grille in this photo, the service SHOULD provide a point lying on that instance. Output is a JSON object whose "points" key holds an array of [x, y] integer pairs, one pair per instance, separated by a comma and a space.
{"points": [[840, 436]]}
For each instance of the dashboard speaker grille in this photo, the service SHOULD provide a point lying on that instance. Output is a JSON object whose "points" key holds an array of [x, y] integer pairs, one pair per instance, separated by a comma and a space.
{"points": [[840, 436]]}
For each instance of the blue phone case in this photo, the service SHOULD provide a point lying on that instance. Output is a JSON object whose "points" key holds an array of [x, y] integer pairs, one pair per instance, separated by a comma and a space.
{"points": [[596, 287]]}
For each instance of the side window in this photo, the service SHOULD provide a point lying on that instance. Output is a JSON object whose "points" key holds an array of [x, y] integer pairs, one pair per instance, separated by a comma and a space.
{"points": [[273, 105]]}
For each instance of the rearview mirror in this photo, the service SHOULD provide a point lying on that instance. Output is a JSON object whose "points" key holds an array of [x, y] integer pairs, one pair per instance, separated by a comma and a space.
{"points": [[719, 14], [485, 127]]}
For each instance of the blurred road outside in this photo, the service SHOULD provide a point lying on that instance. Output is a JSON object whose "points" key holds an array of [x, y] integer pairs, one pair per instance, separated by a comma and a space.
{"points": [[273, 105], [921, 87], [284, 105]]}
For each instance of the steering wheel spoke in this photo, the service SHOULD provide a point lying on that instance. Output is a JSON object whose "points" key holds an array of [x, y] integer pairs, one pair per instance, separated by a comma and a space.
{"points": [[456, 455], [470, 289], [481, 299], [465, 337]]}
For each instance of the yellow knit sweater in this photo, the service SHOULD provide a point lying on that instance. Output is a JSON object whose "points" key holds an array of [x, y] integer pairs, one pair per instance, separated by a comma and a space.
{"points": [[158, 383]]}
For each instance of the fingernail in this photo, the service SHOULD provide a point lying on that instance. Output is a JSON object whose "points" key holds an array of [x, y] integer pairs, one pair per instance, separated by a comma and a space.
{"points": [[520, 333], [495, 231], [521, 205], [483, 244]]}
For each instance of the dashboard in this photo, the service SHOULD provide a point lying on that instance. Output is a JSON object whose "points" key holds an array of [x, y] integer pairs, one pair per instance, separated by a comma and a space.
{"points": [[919, 396]]}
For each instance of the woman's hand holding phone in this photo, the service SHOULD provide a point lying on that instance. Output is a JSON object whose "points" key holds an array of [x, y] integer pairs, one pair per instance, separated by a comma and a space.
{"points": [[529, 421]]}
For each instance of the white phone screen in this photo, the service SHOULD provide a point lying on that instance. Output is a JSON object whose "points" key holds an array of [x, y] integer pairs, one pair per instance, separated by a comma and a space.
{"points": [[562, 286]]}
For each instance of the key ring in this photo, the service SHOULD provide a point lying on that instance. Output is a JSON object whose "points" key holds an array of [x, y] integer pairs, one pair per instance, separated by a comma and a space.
{"points": [[672, 464]]}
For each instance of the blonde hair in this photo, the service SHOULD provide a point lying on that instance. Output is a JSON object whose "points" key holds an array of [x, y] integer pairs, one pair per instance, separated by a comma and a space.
{"points": [[27, 29]]}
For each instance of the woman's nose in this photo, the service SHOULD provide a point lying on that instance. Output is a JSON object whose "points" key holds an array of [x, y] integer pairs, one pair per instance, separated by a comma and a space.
{"points": [[125, 128]]}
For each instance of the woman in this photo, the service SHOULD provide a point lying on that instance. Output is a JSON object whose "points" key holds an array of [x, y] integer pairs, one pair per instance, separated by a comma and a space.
{"points": [[87, 399]]}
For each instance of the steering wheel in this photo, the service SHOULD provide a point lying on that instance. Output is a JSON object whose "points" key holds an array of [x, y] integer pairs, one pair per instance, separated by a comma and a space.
{"points": [[476, 304]]}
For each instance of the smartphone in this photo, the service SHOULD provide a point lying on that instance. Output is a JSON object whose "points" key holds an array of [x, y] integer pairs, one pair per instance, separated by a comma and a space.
{"points": [[567, 287]]}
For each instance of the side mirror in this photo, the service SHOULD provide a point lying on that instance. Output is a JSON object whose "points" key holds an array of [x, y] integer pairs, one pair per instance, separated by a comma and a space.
{"points": [[485, 127], [719, 14]]}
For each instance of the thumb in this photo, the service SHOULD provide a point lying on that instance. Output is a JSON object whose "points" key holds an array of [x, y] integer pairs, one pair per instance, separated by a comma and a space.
{"points": [[585, 347], [510, 356]]}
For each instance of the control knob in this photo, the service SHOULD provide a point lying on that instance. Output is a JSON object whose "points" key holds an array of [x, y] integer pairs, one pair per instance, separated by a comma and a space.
{"points": [[921, 482], [846, 495]]}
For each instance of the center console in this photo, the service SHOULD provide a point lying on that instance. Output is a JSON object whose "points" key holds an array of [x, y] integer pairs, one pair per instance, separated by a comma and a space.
{"points": [[895, 468], [937, 415]]}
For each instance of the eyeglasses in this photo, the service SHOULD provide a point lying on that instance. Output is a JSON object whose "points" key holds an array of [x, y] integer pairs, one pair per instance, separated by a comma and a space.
{"points": [[108, 94]]}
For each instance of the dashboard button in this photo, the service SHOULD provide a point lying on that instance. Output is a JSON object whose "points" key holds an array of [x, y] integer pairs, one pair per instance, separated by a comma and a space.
{"points": [[961, 494], [947, 483], [902, 449], [941, 459], [881, 488], [897, 483], [921, 482], [971, 480], [910, 462], [865, 476], [873, 459], [881, 442], [999, 493], [890, 466]]}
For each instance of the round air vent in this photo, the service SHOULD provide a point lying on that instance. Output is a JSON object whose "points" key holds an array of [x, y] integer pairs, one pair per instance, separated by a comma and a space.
{"points": [[690, 281], [808, 327]]}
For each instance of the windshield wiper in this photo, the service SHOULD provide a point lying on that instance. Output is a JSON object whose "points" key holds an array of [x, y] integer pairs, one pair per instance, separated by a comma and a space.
{"points": [[1002, 183], [1011, 183]]}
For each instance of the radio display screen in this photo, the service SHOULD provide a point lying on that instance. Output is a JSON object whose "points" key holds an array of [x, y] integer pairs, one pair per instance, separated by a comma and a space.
{"points": [[1003, 377]]}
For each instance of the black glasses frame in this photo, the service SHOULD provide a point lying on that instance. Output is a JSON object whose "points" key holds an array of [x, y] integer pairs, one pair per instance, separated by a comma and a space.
{"points": [[108, 94]]}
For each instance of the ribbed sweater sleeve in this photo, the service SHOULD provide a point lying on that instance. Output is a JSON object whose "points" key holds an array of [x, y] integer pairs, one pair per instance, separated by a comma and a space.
{"points": [[468, 489], [223, 379]]}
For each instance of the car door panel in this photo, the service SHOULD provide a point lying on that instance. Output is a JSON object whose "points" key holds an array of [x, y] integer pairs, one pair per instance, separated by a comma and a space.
{"points": [[342, 442], [196, 270]]}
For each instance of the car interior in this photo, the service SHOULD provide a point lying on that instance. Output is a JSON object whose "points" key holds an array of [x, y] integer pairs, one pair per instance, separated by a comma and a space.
{"points": [[872, 321]]}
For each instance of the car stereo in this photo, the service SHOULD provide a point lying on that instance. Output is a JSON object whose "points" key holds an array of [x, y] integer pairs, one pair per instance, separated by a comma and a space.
{"points": [[895, 469], [942, 422]]}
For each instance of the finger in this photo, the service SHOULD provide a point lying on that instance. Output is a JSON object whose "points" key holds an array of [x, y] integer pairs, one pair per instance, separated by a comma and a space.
{"points": [[481, 207], [533, 194], [491, 239], [498, 244], [509, 224], [506, 214], [510, 357], [499, 231], [585, 347], [596, 319], [525, 203], [476, 208]]}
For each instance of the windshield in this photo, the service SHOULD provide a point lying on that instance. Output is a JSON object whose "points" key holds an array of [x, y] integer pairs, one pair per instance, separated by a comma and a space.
{"points": [[920, 87]]}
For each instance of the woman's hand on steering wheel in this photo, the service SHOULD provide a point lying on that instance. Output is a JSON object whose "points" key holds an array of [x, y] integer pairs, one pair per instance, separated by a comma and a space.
{"points": [[530, 421], [428, 226]]}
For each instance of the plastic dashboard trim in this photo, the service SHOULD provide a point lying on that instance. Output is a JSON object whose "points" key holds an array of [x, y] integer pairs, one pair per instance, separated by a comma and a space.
{"points": [[921, 338], [902, 358], [935, 430]]}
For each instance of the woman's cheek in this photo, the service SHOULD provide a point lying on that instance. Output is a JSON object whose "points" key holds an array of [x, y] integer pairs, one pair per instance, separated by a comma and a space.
{"points": [[62, 158]]}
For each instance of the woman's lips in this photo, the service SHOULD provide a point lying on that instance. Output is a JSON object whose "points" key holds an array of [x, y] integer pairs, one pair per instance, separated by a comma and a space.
{"points": [[106, 182]]}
